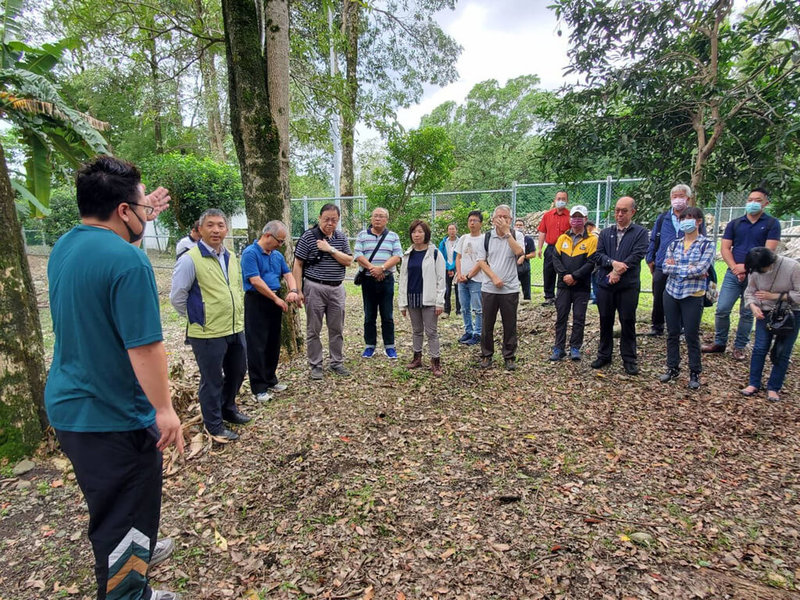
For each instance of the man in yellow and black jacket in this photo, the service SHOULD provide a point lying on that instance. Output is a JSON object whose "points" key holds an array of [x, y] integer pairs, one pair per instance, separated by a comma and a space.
{"points": [[574, 267]]}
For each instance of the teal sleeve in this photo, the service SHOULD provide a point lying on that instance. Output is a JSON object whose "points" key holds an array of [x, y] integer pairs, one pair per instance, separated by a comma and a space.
{"points": [[134, 307]]}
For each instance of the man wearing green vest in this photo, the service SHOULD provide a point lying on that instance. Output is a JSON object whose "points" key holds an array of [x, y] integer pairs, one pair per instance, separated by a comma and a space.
{"points": [[207, 290]]}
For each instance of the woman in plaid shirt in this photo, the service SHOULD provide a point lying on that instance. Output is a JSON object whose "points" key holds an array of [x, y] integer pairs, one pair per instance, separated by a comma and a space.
{"points": [[686, 265]]}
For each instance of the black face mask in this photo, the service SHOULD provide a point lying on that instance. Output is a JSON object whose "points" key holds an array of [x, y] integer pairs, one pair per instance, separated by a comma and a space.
{"points": [[135, 237]]}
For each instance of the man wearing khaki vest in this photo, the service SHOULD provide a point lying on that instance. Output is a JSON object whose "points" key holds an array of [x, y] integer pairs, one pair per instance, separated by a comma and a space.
{"points": [[207, 289]]}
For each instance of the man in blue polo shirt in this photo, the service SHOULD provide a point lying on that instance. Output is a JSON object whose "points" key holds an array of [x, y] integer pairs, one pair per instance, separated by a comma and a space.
{"points": [[754, 228], [262, 269], [107, 393]]}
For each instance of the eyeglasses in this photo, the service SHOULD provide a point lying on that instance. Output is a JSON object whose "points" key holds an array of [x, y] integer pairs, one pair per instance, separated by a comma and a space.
{"points": [[280, 240], [148, 210]]}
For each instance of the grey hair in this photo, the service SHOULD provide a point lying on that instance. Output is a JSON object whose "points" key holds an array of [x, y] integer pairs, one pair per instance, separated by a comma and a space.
{"points": [[682, 187], [386, 212], [213, 212], [273, 228], [501, 207]]}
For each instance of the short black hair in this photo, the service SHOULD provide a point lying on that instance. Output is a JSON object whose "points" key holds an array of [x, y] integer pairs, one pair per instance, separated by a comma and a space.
{"points": [[425, 227], [103, 183], [476, 213], [692, 212], [761, 190], [758, 259], [330, 206]]}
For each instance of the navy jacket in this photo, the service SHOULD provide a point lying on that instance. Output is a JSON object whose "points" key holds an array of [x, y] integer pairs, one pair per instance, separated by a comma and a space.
{"points": [[631, 251]]}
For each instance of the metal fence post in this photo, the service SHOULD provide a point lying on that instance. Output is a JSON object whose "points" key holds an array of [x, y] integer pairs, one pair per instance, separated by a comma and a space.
{"points": [[513, 200], [433, 208], [609, 182], [305, 213], [717, 215], [598, 222]]}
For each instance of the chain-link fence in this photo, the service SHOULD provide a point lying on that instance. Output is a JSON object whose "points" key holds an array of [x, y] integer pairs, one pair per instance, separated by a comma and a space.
{"points": [[598, 196]]}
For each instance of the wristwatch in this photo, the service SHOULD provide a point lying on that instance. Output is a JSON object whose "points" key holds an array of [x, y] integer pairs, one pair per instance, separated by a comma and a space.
{"points": [[469, 278], [294, 291]]}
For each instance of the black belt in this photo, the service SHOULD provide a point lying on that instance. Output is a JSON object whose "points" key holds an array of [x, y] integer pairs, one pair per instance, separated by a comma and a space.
{"points": [[321, 282]]}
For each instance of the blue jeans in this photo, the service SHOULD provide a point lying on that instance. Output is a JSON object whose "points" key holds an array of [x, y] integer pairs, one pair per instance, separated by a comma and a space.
{"points": [[731, 291], [378, 296], [470, 295], [782, 353]]}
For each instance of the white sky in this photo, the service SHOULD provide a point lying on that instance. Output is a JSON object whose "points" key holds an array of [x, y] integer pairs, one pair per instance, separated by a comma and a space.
{"points": [[501, 39]]}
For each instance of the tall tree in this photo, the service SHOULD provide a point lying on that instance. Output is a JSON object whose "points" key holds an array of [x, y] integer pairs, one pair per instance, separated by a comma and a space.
{"points": [[389, 49], [677, 90], [257, 52], [496, 132]]}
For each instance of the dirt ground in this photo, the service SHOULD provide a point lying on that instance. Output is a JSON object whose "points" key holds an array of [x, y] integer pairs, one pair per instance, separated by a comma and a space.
{"points": [[555, 481]]}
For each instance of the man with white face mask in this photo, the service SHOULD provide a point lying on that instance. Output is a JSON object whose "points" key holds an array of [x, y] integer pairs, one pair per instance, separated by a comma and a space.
{"points": [[554, 222], [753, 229], [665, 230]]}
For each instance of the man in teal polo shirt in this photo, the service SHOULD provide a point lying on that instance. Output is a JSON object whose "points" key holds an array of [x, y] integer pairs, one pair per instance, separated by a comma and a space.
{"points": [[107, 393], [262, 270]]}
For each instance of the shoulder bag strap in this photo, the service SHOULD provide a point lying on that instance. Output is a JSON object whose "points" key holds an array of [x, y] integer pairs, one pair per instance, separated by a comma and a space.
{"points": [[378, 245]]}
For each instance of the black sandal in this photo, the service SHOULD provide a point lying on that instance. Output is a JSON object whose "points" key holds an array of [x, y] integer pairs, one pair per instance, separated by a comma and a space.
{"points": [[748, 394], [775, 398]]}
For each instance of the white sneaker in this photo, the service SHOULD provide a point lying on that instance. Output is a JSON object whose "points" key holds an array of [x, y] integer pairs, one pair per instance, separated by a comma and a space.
{"points": [[264, 397], [278, 387], [165, 595], [163, 550]]}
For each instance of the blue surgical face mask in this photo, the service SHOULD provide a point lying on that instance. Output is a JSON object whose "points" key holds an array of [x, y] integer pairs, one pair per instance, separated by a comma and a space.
{"points": [[560, 204], [687, 225], [753, 208]]}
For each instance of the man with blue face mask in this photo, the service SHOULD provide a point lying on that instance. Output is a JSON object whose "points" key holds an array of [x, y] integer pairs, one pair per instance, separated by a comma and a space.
{"points": [[754, 228]]}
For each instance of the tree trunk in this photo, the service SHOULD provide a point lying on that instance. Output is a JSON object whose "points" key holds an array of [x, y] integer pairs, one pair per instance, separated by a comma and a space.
{"points": [[152, 61], [211, 100], [256, 116], [22, 370], [351, 20]]}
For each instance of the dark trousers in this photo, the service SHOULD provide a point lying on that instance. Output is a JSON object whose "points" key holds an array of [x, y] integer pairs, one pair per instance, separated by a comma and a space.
{"points": [[448, 290], [611, 301], [686, 312], [525, 283], [659, 285], [222, 364], [507, 305], [549, 273], [119, 474], [577, 300], [378, 296], [262, 328]]}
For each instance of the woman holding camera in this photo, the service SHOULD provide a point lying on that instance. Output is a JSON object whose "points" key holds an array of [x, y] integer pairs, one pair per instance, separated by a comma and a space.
{"points": [[772, 280]]}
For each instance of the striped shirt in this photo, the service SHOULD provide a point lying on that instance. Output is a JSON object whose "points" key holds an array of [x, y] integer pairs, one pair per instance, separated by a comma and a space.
{"points": [[321, 265], [689, 275], [366, 242]]}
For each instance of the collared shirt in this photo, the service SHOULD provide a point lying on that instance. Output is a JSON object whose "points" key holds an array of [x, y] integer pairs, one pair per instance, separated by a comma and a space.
{"points": [[184, 245], [257, 262], [746, 235], [621, 233], [366, 242], [502, 262], [183, 276], [689, 275], [321, 265], [553, 225]]}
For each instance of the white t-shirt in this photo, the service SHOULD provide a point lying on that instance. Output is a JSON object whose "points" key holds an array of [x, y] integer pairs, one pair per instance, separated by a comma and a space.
{"points": [[467, 246]]}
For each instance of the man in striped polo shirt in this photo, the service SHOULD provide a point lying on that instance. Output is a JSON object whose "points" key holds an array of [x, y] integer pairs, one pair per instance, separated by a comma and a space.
{"points": [[320, 258], [377, 288]]}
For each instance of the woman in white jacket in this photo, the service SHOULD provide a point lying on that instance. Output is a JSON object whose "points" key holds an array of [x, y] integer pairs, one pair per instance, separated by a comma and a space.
{"points": [[422, 287]]}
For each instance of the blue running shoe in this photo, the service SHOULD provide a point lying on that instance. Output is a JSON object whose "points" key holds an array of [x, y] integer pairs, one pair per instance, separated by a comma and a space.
{"points": [[476, 339], [391, 353], [465, 338], [575, 353], [557, 354], [368, 352]]}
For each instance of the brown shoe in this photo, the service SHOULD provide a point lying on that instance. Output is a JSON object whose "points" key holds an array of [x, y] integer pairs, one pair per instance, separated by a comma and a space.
{"points": [[436, 367], [416, 363], [486, 362], [713, 348], [739, 354]]}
